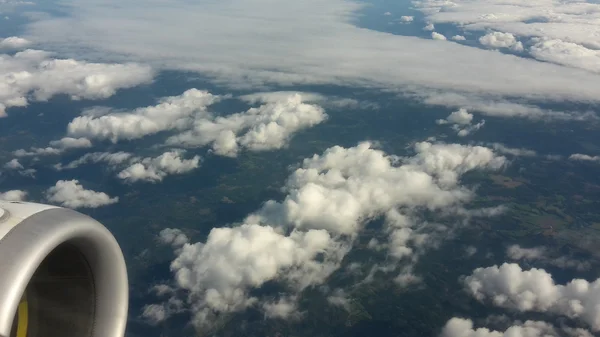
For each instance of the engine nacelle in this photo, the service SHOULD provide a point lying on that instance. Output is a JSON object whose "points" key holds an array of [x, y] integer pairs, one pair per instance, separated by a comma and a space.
{"points": [[62, 274]]}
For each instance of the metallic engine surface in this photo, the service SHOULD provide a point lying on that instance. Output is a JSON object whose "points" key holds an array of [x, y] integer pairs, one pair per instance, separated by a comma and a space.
{"points": [[30, 232]]}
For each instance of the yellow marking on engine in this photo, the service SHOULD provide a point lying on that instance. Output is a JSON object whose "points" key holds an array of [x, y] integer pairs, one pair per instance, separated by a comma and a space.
{"points": [[23, 313]]}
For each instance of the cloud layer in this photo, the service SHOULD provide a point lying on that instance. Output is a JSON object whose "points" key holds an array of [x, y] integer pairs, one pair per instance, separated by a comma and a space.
{"points": [[238, 49]]}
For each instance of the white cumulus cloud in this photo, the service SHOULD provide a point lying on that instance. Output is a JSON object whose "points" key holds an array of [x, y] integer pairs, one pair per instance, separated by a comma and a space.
{"points": [[461, 122], [35, 75], [501, 40], [14, 42], [171, 113], [438, 36], [70, 193], [13, 165], [13, 195], [155, 169], [267, 127], [301, 240], [511, 287], [461, 327]]}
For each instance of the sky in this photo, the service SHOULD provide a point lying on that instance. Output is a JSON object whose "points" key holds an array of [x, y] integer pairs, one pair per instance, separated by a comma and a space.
{"points": [[531, 62]]}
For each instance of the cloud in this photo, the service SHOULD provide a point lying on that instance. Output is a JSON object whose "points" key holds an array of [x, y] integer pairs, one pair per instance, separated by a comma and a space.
{"points": [[70, 193], [495, 107], [438, 36], [561, 32], [57, 147], [112, 159], [237, 49], [13, 195], [171, 113], [220, 272], [13, 42], [13, 165], [155, 169], [501, 40], [32, 75], [301, 240], [584, 157], [458, 38], [461, 117], [309, 97], [407, 18], [509, 286], [566, 53], [516, 252], [461, 327], [267, 127], [461, 122], [519, 152]]}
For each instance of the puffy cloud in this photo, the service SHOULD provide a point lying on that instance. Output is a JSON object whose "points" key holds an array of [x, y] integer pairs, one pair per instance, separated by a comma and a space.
{"points": [[407, 18], [461, 327], [438, 36], [511, 287], [174, 237], [232, 44], [540, 254], [344, 187], [267, 127], [155, 169], [13, 165], [461, 122], [171, 113], [301, 240], [57, 147], [13, 42], [429, 27], [501, 40], [34, 75], [458, 117], [13, 195], [71, 143], [220, 272], [584, 157], [113, 159], [458, 38], [70, 193]]}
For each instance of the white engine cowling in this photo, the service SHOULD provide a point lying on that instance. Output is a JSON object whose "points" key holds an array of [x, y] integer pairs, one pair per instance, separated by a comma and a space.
{"points": [[62, 274]]}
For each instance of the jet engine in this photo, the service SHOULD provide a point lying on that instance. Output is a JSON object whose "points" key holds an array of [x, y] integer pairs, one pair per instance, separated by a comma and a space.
{"points": [[62, 274]]}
